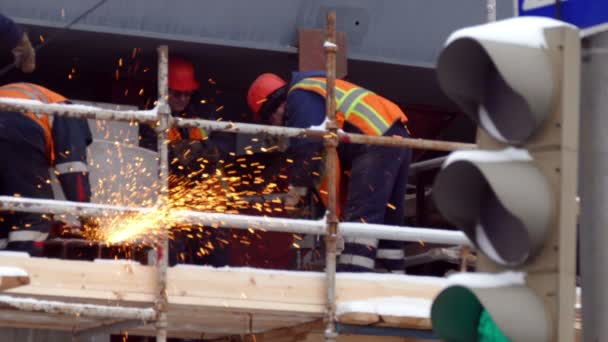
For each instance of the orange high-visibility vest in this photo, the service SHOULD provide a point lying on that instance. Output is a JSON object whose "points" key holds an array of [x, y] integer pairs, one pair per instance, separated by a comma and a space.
{"points": [[362, 108], [369, 112], [195, 134], [341, 188], [35, 92]]}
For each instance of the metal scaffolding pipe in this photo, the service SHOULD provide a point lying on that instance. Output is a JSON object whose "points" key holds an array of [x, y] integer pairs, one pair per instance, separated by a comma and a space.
{"points": [[421, 144], [411, 234], [250, 222], [150, 116], [426, 165], [82, 310], [273, 224], [76, 111], [47, 206], [162, 248], [318, 134], [331, 161]]}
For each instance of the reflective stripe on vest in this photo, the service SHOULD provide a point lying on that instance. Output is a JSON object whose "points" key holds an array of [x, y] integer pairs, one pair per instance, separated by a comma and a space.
{"points": [[44, 121], [352, 107]]}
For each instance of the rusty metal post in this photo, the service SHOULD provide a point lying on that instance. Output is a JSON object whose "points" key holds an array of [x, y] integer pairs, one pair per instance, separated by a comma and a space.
{"points": [[464, 257], [331, 144], [162, 260]]}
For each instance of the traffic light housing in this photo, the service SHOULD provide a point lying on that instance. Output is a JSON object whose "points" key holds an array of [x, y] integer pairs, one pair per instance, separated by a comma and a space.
{"points": [[515, 197]]}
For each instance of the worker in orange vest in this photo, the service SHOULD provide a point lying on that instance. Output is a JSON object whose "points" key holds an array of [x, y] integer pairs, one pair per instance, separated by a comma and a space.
{"points": [[30, 144], [192, 153], [187, 145], [376, 175]]}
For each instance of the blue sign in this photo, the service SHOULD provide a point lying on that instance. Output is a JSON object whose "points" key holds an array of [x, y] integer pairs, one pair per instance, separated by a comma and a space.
{"points": [[589, 15]]}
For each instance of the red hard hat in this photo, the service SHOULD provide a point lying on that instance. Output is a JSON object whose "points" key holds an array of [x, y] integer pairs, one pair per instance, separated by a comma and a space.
{"points": [[261, 88], [181, 75]]}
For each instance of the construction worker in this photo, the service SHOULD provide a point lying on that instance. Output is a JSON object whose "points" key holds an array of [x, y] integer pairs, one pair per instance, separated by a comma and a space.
{"points": [[189, 148], [375, 176], [187, 144], [30, 144], [13, 39]]}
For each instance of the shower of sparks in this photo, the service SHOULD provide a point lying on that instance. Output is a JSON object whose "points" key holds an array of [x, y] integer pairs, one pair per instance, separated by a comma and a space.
{"points": [[235, 185], [211, 187]]}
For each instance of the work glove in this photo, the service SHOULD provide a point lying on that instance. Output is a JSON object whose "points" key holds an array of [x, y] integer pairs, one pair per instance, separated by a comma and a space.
{"points": [[190, 152], [25, 55]]}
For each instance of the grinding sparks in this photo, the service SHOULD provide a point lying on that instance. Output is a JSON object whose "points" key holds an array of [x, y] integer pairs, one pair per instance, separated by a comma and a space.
{"points": [[126, 228], [205, 189]]}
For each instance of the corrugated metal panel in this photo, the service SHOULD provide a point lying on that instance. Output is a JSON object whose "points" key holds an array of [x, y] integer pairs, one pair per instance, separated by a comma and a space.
{"points": [[403, 32]]}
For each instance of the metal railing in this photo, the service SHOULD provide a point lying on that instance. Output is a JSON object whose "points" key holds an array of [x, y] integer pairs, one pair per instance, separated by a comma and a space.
{"points": [[160, 115]]}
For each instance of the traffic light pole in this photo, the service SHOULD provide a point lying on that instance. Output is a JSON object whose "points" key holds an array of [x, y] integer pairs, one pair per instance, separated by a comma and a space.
{"points": [[593, 189]]}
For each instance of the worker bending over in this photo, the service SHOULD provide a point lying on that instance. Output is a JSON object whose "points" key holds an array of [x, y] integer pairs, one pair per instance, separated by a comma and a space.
{"points": [[375, 176], [31, 144]]}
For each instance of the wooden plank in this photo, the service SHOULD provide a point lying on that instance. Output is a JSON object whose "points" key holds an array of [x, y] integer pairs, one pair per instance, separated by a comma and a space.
{"points": [[204, 300], [405, 322], [230, 290], [11, 277], [359, 318], [10, 282]]}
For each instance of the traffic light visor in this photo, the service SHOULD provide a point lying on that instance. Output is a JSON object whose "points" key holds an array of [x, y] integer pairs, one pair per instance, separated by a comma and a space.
{"points": [[499, 199], [502, 75]]}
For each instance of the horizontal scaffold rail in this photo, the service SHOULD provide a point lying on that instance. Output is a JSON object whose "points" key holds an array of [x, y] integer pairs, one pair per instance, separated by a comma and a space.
{"points": [[317, 227], [150, 116], [77, 111], [75, 309], [318, 134]]}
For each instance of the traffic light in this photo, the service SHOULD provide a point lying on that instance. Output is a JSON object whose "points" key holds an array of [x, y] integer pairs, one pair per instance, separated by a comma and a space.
{"points": [[515, 197]]}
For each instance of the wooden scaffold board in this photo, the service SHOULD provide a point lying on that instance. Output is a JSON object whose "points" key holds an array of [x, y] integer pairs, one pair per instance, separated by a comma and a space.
{"points": [[206, 301]]}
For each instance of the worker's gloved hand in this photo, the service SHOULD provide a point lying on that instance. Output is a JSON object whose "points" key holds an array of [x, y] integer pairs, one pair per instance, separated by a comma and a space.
{"points": [[25, 55], [202, 149], [295, 196], [191, 152]]}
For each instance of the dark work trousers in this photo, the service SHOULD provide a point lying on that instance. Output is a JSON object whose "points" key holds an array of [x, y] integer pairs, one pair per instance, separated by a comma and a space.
{"points": [[24, 170], [376, 194]]}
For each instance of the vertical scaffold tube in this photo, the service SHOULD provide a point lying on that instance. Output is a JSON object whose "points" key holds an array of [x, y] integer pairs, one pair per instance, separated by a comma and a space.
{"points": [[162, 259], [331, 143]]}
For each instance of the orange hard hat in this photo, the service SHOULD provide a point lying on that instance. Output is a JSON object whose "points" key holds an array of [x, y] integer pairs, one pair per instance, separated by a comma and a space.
{"points": [[181, 75], [261, 89]]}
